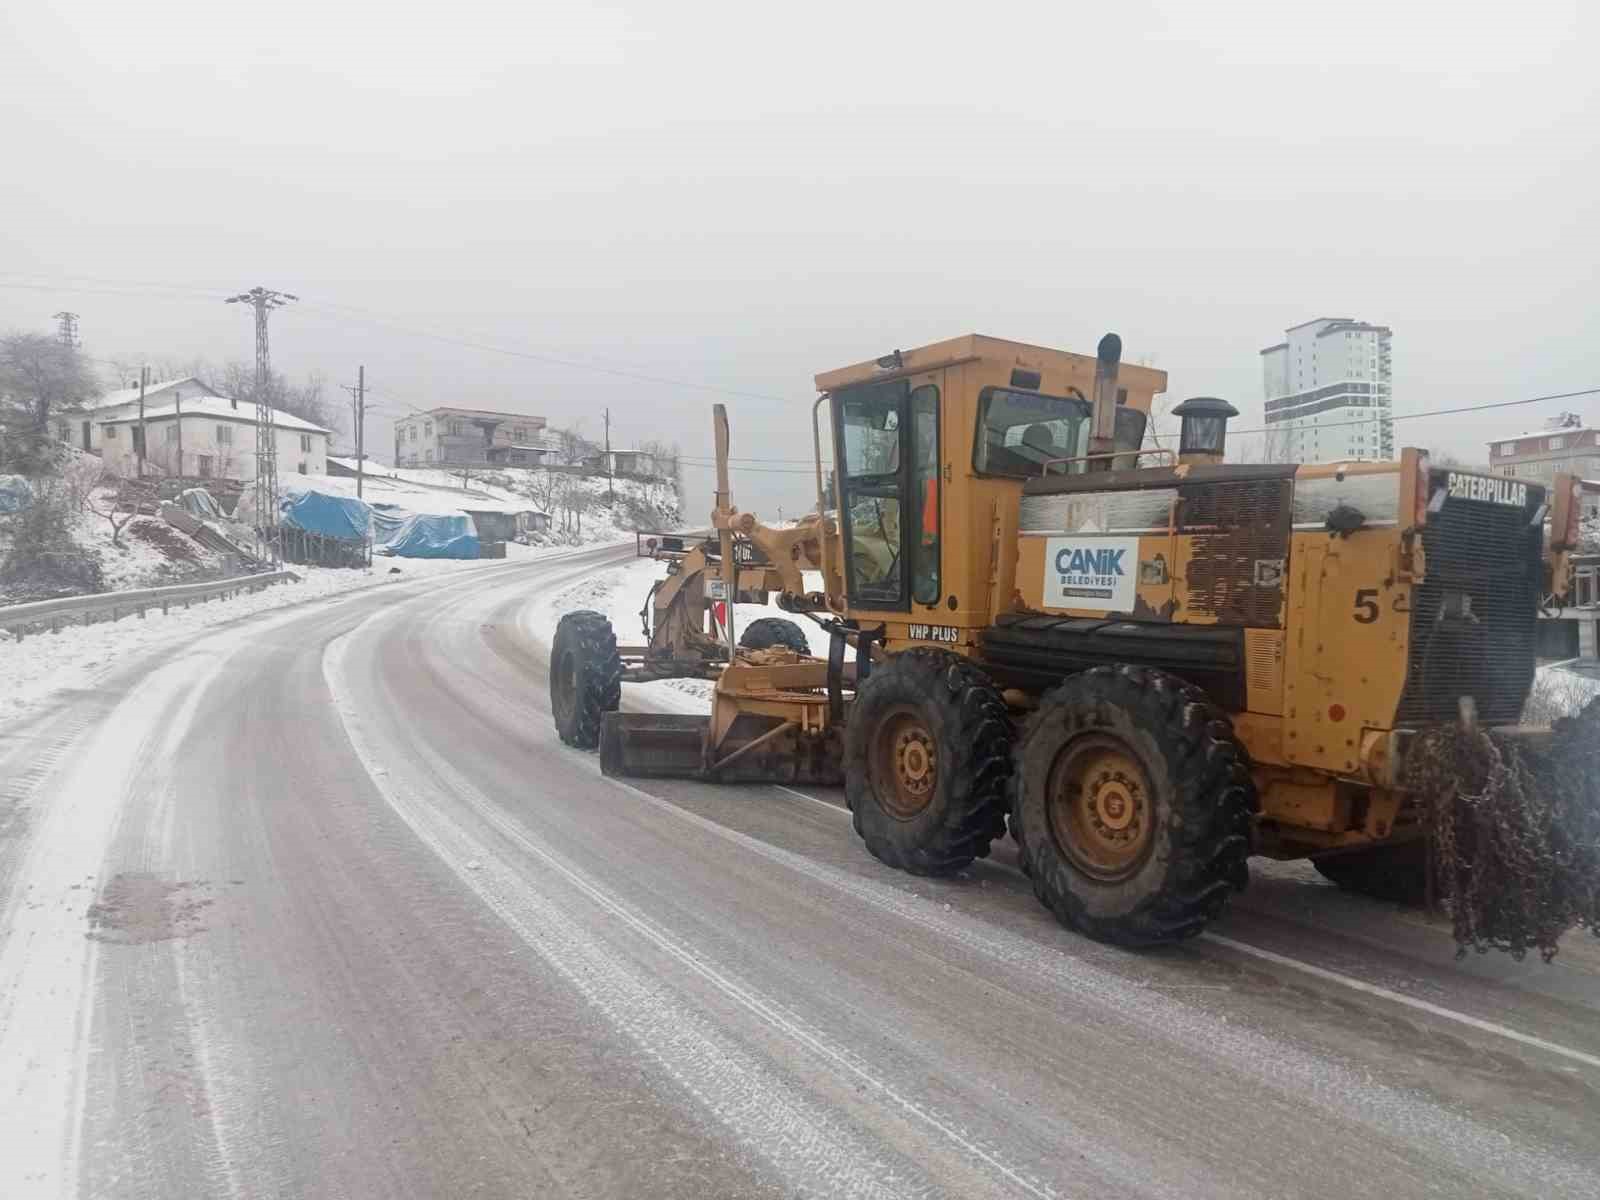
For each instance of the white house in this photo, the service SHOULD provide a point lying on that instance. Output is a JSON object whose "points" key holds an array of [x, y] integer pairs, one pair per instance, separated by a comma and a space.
{"points": [[208, 437], [83, 429]]}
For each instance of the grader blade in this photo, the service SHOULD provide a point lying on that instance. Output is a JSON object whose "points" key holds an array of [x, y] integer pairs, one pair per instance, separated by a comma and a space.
{"points": [[669, 746], [659, 745]]}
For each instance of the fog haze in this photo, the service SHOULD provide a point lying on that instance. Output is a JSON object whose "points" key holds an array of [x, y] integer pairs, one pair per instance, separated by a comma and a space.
{"points": [[742, 196]]}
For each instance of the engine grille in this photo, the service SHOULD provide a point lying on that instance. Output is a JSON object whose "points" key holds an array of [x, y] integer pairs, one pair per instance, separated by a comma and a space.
{"points": [[1474, 618]]}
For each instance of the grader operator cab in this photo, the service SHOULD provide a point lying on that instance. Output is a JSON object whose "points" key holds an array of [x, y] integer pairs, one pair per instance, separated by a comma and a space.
{"points": [[1149, 664]]}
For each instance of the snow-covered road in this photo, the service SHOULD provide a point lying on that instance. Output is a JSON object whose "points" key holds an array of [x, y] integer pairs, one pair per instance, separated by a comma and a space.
{"points": [[321, 907]]}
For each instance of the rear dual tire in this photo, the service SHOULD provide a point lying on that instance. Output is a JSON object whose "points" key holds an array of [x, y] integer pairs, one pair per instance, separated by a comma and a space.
{"points": [[1132, 806]]}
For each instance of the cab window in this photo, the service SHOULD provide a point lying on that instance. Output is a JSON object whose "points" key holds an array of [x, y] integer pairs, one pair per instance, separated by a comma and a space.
{"points": [[887, 442], [1024, 434]]}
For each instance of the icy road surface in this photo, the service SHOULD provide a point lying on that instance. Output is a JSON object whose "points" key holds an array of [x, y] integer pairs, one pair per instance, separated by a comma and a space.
{"points": [[317, 905]]}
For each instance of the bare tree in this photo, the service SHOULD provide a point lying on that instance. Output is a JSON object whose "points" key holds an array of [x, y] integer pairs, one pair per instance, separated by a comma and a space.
{"points": [[541, 486], [107, 508], [572, 447], [81, 474], [308, 400], [41, 381]]}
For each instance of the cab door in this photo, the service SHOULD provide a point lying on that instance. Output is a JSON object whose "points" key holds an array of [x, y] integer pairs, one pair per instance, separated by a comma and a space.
{"points": [[887, 459]]}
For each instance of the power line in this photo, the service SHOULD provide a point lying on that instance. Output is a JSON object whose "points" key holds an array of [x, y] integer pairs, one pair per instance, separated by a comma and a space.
{"points": [[576, 364], [538, 356], [416, 331], [1416, 416]]}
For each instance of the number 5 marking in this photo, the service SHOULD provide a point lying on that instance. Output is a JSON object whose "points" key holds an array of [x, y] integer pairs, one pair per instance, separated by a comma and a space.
{"points": [[1367, 606]]}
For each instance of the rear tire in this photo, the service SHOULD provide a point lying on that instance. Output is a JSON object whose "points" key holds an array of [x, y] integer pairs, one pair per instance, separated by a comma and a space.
{"points": [[766, 632], [585, 677], [1397, 873], [926, 758], [1132, 806]]}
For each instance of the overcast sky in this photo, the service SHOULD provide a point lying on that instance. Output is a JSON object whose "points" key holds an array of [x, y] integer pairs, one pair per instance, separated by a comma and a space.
{"points": [[743, 195]]}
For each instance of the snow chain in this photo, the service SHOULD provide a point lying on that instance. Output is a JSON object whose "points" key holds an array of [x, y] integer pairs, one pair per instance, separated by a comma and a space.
{"points": [[1513, 832]]}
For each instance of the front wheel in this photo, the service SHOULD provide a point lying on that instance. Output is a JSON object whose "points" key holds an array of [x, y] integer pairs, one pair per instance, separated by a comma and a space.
{"points": [[927, 753], [1132, 806], [585, 677]]}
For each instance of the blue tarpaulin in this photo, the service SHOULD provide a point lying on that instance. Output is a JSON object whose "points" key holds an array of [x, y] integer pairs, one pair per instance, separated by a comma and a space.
{"points": [[424, 535], [15, 494], [387, 521], [329, 515]]}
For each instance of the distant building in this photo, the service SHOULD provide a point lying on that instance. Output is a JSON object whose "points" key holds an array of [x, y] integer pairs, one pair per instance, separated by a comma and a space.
{"points": [[469, 437], [1327, 392], [634, 464], [208, 437], [83, 429], [1564, 446]]}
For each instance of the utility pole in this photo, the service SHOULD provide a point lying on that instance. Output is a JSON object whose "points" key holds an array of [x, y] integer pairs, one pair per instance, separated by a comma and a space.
{"points": [[611, 491], [144, 378], [264, 301], [358, 408], [67, 329], [178, 427]]}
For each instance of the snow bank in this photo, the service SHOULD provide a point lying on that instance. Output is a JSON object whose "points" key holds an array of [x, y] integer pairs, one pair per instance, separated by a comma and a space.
{"points": [[40, 666]]}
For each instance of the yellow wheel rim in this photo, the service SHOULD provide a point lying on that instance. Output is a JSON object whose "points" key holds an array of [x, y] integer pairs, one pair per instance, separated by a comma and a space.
{"points": [[1100, 806]]}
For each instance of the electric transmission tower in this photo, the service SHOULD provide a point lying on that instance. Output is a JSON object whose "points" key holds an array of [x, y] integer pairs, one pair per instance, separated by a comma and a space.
{"points": [[264, 300], [67, 329]]}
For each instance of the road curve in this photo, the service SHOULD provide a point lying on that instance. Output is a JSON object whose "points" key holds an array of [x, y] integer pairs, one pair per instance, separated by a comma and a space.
{"points": [[319, 906]]}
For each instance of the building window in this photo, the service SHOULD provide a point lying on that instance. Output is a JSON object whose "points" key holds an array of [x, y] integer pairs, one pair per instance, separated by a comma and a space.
{"points": [[111, 431], [63, 431], [427, 429], [224, 436], [1508, 448], [1553, 444], [413, 432], [455, 428], [302, 468], [172, 432], [427, 456], [205, 466], [305, 444]]}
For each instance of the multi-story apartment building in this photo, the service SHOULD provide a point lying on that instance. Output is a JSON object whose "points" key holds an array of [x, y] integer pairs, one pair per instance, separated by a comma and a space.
{"points": [[1564, 446], [468, 437], [1327, 389]]}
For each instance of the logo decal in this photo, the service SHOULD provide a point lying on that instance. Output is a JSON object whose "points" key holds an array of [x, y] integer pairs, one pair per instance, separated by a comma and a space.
{"points": [[1094, 573], [1487, 489]]}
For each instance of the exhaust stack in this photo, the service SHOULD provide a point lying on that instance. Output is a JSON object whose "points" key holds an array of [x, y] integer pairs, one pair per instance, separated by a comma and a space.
{"points": [[1103, 426]]}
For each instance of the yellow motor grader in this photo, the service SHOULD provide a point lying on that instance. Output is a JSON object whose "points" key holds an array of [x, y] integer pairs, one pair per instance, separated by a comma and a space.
{"points": [[1152, 664]]}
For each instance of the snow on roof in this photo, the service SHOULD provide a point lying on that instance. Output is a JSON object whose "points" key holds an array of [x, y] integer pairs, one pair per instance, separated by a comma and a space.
{"points": [[221, 408], [131, 395], [1544, 433]]}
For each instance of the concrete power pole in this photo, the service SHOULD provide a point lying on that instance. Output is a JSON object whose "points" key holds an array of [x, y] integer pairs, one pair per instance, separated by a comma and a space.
{"points": [[358, 409], [611, 490], [264, 301], [144, 378]]}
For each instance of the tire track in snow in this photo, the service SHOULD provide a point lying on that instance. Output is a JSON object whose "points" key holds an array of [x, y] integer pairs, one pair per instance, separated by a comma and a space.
{"points": [[816, 1151], [47, 964], [1469, 1146]]}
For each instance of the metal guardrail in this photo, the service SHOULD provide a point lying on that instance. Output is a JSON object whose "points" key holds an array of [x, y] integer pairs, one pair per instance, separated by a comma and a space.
{"points": [[22, 619]]}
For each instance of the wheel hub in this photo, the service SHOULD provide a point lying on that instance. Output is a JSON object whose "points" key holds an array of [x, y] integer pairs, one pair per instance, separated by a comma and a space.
{"points": [[1100, 806], [906, 765]]}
